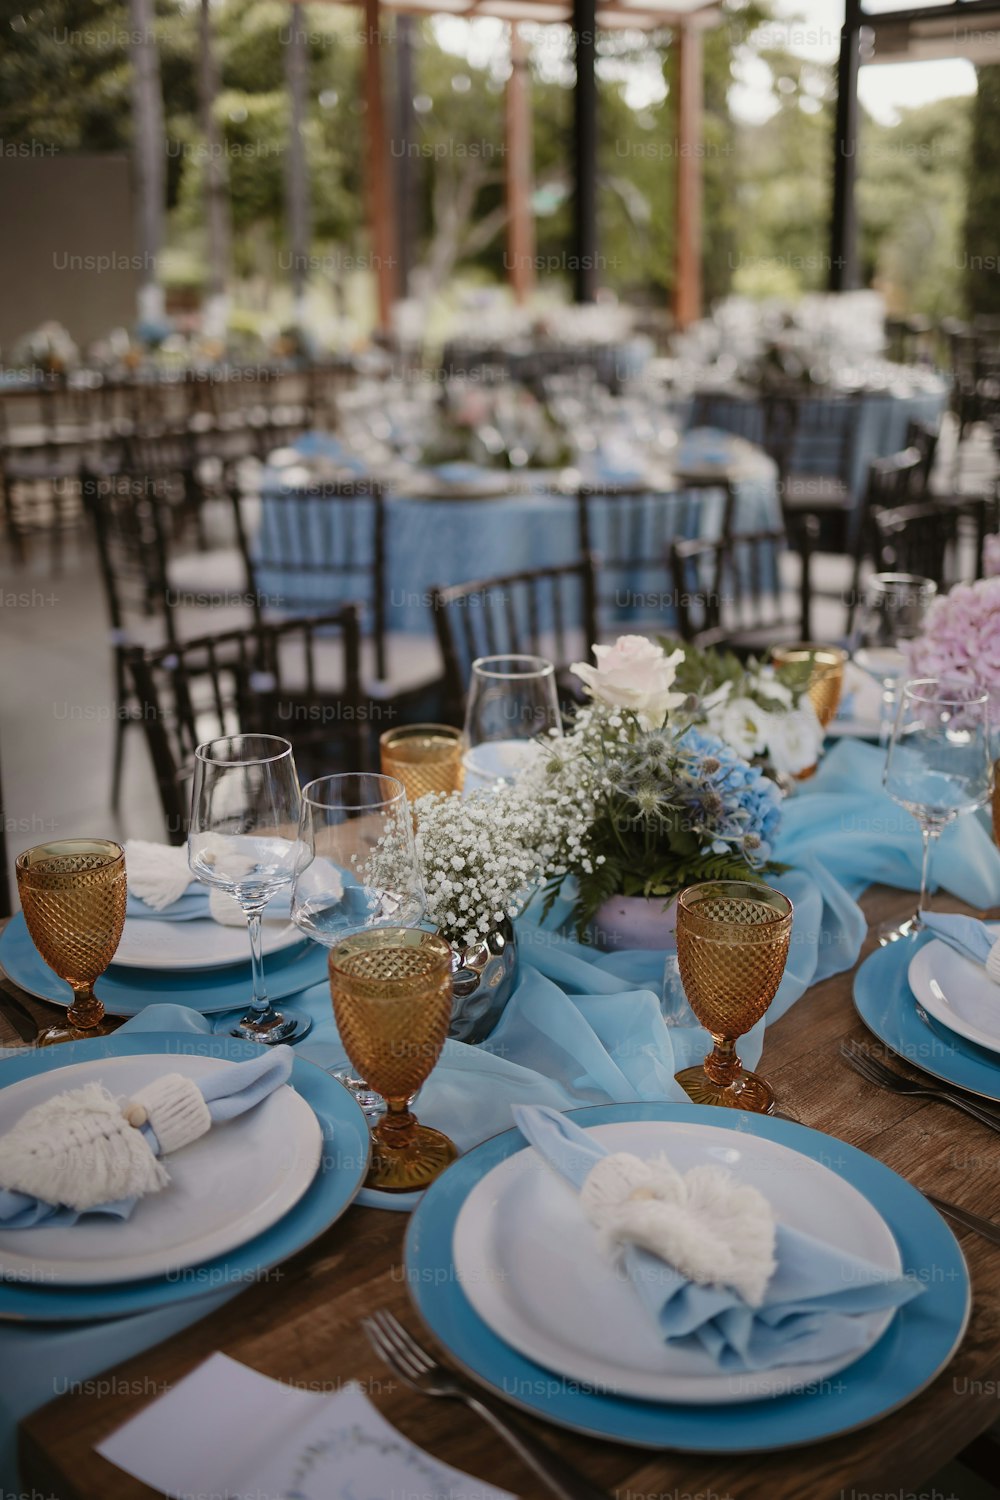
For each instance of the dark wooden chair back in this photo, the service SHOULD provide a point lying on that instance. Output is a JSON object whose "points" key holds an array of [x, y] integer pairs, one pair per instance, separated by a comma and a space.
{"points": [[331, 534], [813, 434], [300, 679], [550, 612], [729, 592], [628, 531], [743, 416]]}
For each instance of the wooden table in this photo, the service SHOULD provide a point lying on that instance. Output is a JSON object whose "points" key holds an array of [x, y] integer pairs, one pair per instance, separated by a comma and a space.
{"points": [[303, 1327]]}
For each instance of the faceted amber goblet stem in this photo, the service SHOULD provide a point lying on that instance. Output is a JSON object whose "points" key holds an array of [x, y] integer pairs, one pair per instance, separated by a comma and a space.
{"points": [[397, 1129], [87, 1012], [722, 1065]]}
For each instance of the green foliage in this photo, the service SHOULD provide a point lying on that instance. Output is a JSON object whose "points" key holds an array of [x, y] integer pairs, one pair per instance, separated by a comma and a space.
{"points": [[981, 259]]}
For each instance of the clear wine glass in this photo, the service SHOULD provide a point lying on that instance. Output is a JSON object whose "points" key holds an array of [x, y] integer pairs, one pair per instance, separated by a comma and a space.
{"points": [[244, 838], [512, 700], [938, 767], [893, 611], [362, 872]]}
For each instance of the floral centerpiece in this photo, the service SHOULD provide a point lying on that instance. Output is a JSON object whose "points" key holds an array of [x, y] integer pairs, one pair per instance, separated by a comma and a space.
{"points": [[763, 712], [961, 637], [638, 799], [480, 862], [499, 428]]}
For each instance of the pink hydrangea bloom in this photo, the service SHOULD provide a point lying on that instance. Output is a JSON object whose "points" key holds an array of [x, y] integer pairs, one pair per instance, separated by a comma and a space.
{"points": [[962, 636]]}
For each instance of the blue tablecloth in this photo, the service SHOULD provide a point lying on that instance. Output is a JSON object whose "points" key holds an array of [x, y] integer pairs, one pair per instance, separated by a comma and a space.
{"points": [[444, 542], [882, 423], [580, 1028]]}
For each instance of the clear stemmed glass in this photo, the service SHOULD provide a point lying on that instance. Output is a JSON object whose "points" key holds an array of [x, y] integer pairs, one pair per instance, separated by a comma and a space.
{"points": [[244, 838], [894, 610], [512, 700], [362, 872], [938, 766]]}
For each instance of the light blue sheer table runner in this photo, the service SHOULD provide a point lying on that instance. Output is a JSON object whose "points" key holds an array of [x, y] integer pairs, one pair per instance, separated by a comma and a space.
{"points": [[581, 1027]]}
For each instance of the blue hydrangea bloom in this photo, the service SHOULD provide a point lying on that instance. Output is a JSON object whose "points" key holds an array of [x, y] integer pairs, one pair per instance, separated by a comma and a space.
{"points": [[746, 804]]}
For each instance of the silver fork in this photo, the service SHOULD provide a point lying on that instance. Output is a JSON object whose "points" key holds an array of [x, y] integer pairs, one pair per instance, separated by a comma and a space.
{"points": [[422, 1372], [883, 1077]]}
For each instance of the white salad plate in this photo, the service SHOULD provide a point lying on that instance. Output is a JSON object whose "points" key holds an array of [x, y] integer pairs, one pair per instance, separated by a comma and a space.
{"points": [[957, 991], [199, 944]]}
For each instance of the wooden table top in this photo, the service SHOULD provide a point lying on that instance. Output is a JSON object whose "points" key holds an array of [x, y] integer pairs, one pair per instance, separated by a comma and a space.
{"points": [[303, 1327]]}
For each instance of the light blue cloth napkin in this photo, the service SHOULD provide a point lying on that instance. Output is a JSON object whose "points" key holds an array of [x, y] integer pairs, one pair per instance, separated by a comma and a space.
{"points": [[189, 907], [811, 1306], [966, 935], [228, 1092]]}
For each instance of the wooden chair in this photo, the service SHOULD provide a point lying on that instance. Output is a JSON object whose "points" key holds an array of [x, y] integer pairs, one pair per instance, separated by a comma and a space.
{"points": [[813, 441], [300, 679], [729, 592], [892, 482], [743, 416], [923, 437], [135, 519], [318, 546], [628, 529], [942, 541], [550, 612]]}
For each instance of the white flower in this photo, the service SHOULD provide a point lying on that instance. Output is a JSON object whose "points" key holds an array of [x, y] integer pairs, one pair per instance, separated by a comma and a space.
{"points": [[794, 739], [743, 724], [634, 674]]}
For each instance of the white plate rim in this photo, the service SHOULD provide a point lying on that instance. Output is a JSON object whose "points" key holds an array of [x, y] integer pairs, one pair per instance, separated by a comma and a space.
{"points": [[935, 1001], [471, 1231], [277, 934], [19, 1267]]}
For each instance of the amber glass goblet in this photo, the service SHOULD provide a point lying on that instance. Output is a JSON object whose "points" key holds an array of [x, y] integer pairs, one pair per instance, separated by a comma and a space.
{"points": [[826, 674], [392, 998], [73, 897], [424, 757], [732, 944]]}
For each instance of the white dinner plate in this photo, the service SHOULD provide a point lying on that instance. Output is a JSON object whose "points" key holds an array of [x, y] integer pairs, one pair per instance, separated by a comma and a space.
{"points": [[957, 992], [232, 1184], [530, 1264], [200, 944]]}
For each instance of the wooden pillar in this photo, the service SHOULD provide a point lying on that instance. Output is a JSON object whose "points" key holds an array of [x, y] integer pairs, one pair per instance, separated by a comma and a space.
{"points": [[584, 247], [383, 229], [296, 172], [216, 182], [148, 152], [406, 176], [520, 172], [843, 275], [687, 271]]}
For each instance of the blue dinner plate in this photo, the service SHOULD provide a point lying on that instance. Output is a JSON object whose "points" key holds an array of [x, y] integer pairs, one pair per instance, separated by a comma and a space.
{"points": [[342, 1169], [918, 1343], [125, 992], [884, 1001]]}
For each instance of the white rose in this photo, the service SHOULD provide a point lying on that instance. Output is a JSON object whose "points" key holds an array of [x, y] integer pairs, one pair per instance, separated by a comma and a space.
{"points": [[794, 740], [635, 674], [743, 725]]}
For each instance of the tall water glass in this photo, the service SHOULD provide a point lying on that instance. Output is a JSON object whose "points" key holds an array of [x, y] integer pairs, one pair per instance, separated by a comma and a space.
{"points": [[893, 612], [938, 767], [512, 700], [244, 839]]}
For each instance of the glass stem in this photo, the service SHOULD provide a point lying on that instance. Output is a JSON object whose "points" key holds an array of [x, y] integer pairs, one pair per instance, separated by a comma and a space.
{"points": [[722, 1065], [86, 1010], [259, 1001], [397, 1126], [930, 837]]}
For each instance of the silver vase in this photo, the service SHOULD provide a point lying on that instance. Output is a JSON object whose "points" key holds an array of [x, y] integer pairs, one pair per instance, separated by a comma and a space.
{"points": [[485, 975]]}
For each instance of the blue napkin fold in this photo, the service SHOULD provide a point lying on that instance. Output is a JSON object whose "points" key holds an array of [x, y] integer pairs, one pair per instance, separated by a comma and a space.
{"points": [[967, 935], [228, 1092], [192, 905], [811, 1306]]}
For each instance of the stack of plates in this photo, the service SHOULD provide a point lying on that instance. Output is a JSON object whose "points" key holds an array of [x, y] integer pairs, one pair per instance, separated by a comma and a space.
{"points": [[245, 1196], [507, 1275], [935, 1008], [198, 963]]}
